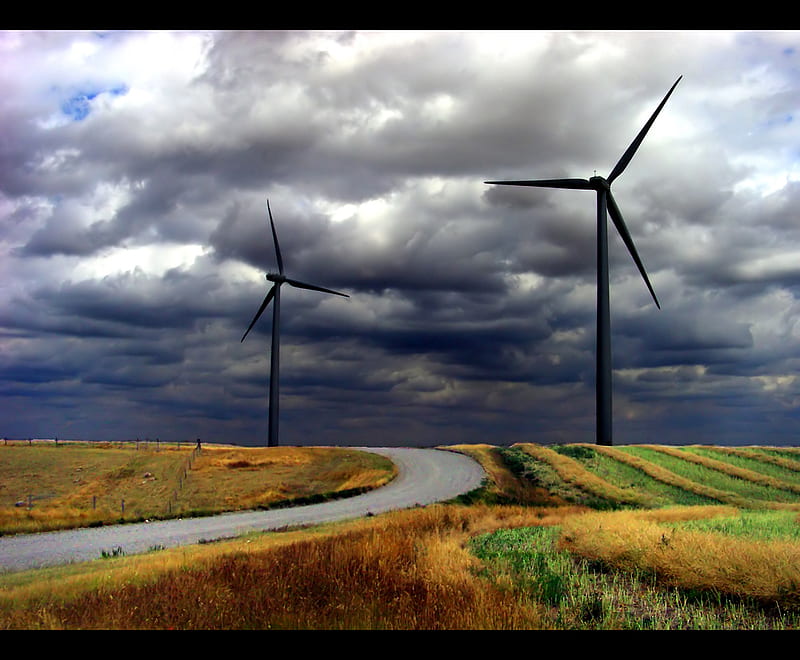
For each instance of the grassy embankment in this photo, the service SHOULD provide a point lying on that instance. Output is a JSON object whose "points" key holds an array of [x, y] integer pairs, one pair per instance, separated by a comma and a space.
{"points": [[573, 536]]}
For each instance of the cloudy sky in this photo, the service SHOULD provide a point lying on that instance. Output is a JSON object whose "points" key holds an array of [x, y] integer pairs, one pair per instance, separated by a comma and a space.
{"points": [[134, 238]]}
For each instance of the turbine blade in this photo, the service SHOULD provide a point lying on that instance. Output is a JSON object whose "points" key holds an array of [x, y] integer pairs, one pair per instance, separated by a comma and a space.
{"points": [[619, 223], [275, 238], [569, 184], [314, 287], [261, 309], [626, 157]]}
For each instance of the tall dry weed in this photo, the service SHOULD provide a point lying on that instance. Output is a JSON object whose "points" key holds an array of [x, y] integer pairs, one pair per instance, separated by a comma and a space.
{"points": [[406, 570], [768, 571]]}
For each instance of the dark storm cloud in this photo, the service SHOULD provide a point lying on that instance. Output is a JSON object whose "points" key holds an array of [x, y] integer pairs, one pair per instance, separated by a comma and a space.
{"points": [[135, 236], [134, 300]]}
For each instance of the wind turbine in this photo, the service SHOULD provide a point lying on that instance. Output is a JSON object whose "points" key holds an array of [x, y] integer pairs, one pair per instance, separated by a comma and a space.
{"points": [[605, 206], [275, 292]]}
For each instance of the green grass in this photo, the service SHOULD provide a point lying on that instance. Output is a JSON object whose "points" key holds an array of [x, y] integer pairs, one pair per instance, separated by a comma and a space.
{"points": [[530, 556], [626, 476], [583, 595], [769, 469], [774, 453], [757, 525], [792, 453], [713, 478]]}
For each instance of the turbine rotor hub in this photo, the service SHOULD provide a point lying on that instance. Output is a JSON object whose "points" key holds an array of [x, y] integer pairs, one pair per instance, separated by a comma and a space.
{"points": [[599, 183], [276, 277]]}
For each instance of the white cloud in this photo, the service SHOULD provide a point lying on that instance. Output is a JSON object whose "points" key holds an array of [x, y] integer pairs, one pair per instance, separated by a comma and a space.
{"points": [[153, 260]]}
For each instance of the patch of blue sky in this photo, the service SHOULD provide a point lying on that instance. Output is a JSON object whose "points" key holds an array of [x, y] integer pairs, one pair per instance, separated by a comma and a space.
{"points": [[778, 121], [78, 106]]}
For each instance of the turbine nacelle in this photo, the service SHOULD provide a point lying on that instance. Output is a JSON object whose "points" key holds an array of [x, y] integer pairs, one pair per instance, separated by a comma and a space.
{"points": [[599, 183], [276, 277]]}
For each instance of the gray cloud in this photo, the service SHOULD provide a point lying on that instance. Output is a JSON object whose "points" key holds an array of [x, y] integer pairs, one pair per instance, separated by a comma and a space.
{"points": [[134, 240]]}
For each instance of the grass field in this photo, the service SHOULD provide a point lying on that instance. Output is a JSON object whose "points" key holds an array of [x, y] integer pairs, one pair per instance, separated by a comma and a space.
{"points": [[559, 537], [48, 486]]}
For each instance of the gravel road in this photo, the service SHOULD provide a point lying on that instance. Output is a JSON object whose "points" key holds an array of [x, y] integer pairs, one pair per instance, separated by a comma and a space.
{"points": [[425, 476]]}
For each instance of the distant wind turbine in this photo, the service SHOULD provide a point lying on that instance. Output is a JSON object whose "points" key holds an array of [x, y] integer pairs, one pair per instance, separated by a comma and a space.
{"points": [[275, 292], [605, 205]]}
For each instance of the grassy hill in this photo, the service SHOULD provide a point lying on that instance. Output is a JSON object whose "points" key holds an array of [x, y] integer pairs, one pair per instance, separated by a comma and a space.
{"points": [[558, 537], [641, 476]]}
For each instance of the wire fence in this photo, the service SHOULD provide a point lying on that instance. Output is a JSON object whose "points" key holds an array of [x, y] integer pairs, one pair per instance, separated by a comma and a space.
{"points": [[180, 474], [182, 477], [146, 443]]}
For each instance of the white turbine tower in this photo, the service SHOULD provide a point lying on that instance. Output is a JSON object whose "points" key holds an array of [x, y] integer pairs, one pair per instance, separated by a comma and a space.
{"points": [[275, 292]]}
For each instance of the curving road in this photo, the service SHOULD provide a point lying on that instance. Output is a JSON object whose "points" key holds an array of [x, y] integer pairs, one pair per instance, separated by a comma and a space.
{"points": [[425, 476]]}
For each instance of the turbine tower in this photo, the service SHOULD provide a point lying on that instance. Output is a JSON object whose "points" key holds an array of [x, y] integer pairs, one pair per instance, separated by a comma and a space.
{"points": [[605, 206], [275, 292]]}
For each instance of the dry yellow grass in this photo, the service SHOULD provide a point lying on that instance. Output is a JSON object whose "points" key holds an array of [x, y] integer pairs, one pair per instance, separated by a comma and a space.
{"points": [[573, 473], [402, 570], [250, 477], [63, 584], [76, 485], [765, 570]]}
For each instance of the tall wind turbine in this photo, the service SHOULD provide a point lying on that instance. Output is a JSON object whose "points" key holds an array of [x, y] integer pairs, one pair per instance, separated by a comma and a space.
{"points": [[275, 292], [605, 206]]}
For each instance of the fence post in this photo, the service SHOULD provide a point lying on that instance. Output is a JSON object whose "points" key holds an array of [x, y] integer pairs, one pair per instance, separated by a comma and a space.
{"points": [[94, 502]]}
